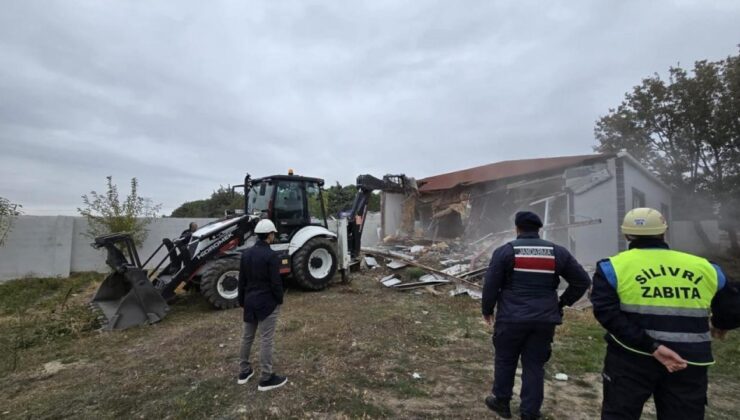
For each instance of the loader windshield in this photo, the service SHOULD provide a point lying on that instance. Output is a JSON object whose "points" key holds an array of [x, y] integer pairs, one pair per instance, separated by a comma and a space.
{"points": [[258, 198]]}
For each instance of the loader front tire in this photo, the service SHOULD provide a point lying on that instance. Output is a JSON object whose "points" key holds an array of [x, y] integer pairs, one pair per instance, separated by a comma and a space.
{"points": [[314, 264], [219, 283]]}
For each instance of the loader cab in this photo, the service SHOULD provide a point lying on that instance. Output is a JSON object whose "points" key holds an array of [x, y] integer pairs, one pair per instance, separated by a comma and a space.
{"points": [[291, 202]]}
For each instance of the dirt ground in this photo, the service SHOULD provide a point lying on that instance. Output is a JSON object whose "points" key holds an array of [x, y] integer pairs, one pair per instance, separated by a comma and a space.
{"points": [[350, 352]]}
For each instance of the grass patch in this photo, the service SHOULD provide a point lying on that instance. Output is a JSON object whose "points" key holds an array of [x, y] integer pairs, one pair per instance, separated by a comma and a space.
{"points": [[579, 347], [398, 384], [37, 312], [349, 352], [25, 295], [414, 273]]}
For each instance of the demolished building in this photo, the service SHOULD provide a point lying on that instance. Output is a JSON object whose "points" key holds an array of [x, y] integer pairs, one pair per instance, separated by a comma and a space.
{"points": [[581, 199]]}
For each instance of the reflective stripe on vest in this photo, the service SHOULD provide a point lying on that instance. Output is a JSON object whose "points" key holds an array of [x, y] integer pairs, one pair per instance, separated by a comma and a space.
{"points": [[534, 267], [534, 259], [661, 286]]}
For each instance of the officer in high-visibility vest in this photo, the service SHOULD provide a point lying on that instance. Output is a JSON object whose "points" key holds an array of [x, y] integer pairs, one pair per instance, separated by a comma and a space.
{"points": [[655, 304]]}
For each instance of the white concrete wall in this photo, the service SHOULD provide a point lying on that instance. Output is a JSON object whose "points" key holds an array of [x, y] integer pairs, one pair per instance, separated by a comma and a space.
{"points": [[392, 212], [37, 246], [655, 194], [87, 258], [54, 246], [598, 241]]}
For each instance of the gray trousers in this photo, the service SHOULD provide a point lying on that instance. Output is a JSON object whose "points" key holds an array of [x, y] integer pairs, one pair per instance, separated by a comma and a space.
{"points": [[266, 329]]}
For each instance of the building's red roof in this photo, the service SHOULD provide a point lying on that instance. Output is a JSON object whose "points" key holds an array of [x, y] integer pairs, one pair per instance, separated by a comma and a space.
{"points": [[502, 170]]}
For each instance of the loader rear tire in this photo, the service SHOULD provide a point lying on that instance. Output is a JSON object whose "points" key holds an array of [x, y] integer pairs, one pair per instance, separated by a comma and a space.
{"points": [[314, 264], [219, 283]]}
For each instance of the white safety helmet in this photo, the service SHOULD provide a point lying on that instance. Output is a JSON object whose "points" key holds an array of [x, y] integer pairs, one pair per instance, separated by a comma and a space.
{"points": [[265, 226], [644, 221]]}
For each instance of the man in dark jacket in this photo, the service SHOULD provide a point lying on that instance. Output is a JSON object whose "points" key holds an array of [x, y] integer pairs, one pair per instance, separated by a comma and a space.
{"points": [[656, 305], [260, 294], [522, 279]]}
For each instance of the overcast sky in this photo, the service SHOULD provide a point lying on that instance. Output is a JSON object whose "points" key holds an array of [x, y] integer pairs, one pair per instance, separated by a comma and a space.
{"points": [[190, 95]]}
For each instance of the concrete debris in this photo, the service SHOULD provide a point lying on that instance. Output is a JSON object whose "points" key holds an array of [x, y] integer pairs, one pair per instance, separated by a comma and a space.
{"points": [[430, 278], [395, 264], [397, 259], [475, 294], [371, 262], [561, 377], [417, 249], [456, 269], [423, 282], [440, 246], [52, 368], [390, 282]]}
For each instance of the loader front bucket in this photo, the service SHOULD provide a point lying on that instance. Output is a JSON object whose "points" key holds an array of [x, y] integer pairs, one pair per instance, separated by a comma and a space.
{"points": [[127, 299]]}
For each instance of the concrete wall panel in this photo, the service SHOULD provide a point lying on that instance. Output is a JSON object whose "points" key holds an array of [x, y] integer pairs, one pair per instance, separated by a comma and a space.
{"points": [[598, 241], [38, 246], [54, 246]]}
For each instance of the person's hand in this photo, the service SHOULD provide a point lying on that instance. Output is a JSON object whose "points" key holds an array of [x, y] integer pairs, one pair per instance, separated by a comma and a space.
{"points": [[488, 319], [719, 334], [669, 358]]}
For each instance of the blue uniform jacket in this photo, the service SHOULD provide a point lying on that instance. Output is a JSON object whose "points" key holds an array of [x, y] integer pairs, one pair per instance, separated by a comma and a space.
{"points": [[260, 284], [514, 308]]}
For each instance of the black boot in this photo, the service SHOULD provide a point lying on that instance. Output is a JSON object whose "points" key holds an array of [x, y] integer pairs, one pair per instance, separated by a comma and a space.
{"points": [[531, 417], [499, 406]]}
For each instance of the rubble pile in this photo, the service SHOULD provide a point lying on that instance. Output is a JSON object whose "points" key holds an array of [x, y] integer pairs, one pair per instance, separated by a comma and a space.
{"points": [[419, 263], [407, 264]]}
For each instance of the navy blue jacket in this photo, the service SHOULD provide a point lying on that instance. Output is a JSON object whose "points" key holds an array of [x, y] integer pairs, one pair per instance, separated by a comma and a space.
{"points": [[542, 307], [607, 309], [260, 284]]}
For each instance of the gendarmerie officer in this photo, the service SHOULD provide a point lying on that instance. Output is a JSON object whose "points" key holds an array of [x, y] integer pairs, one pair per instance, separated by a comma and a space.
{"points": [[522, 280]]}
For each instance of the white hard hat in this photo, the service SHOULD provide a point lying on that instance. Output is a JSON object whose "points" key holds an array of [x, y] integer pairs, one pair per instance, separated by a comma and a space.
{"points": [[644, 221], [265, 226]]}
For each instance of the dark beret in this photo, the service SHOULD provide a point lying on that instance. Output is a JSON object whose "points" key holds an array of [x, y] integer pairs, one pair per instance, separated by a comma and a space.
{"points": [[527, 219]]}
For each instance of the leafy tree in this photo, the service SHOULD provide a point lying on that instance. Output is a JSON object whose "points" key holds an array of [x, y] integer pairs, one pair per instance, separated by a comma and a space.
{"points": [[220, 200], [336, 198], [687, 130], [106, 213], [8, 211], [340, 198]]}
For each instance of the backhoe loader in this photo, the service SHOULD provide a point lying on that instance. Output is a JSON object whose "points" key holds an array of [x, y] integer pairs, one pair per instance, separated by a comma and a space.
{"points": [[208, 261]]}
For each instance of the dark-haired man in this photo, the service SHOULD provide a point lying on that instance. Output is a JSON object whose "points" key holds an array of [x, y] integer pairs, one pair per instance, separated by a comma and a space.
{"points": [[261, 295]]}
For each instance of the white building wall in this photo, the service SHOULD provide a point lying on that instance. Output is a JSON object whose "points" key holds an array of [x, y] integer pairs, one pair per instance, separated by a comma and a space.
{"points": [[593, 243], [391, 212], [597, 241], [656, 195]]}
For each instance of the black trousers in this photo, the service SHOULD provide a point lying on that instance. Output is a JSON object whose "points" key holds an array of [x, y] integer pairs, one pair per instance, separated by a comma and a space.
{"points": [[630, 379], [531, 342]]}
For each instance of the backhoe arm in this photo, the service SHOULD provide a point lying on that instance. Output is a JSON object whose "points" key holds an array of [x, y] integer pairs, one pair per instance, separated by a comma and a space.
{"points": [[366, 184]]}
